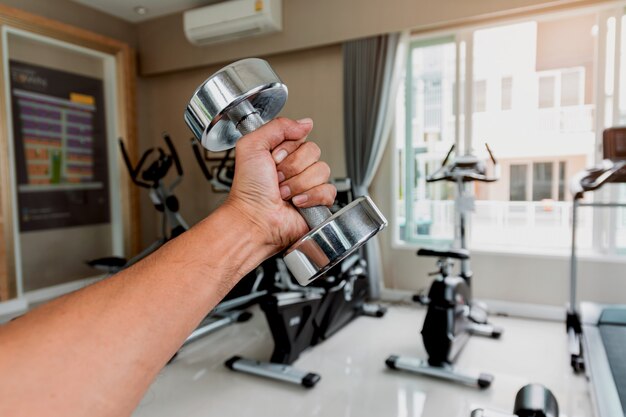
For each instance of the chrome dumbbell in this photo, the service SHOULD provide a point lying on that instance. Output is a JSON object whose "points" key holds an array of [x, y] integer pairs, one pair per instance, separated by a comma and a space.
{"points": [[239, 99], [532, 400]]}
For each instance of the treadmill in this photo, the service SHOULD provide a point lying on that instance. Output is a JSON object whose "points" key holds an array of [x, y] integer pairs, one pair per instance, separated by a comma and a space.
{"points": [[597, 332]]}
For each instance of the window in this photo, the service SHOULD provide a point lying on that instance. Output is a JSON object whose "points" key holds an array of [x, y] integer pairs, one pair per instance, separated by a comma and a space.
{"points": [[480, 96], [542, 181], [547, 86], [506, 93], [541, 137], [541, 186], [425, 209], [561, 181], [571, 91], [432, 102], [517, 183]]}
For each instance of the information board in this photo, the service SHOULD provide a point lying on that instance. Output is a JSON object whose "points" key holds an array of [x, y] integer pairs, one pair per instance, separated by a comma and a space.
{"points": [[59, 138]]}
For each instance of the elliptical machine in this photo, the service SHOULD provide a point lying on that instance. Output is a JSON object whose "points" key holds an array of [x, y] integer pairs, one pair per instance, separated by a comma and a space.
{"points": [[301, 317], [222, 177], [162, 196], [452, 314]]}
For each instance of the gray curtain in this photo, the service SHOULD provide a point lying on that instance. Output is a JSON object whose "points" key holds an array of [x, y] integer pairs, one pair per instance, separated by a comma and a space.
{"points": [[369, 91]]}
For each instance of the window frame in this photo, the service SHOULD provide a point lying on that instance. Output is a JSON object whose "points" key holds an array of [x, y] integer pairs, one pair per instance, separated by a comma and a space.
{"points": [[463, 36], [409, 151]]}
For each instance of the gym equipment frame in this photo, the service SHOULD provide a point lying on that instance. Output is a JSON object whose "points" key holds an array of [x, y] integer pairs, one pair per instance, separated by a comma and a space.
{"points": [[597, 333]]}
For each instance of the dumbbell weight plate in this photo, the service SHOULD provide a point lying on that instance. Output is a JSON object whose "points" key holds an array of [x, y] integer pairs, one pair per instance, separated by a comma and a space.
{"points": [[333, 240], [247, 81]]}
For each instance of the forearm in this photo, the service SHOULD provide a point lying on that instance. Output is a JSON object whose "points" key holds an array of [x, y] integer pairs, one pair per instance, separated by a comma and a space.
{"points": [[61, 359]]}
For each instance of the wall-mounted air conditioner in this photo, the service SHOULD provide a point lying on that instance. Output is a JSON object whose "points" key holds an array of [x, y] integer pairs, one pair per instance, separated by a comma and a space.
{"points": [[232, 19]]}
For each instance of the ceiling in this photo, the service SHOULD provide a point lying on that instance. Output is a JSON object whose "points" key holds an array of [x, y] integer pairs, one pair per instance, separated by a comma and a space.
{"points": [[125, 9]]}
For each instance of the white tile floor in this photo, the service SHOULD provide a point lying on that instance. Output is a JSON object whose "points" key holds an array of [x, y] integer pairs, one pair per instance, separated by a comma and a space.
{"points": [[355, 381]]}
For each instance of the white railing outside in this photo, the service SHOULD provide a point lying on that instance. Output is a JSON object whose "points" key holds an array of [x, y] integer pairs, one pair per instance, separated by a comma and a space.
{"points": [[511, 224], [566, 119]]}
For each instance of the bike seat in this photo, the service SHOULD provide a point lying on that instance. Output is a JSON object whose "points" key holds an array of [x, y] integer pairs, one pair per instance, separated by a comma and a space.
{"points": [[450, 253]]}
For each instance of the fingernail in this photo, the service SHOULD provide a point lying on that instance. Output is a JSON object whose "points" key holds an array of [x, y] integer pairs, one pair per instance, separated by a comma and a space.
{"points": [[285, 191], [281, 176], [300, 199], [280, 155], [305, 121]]}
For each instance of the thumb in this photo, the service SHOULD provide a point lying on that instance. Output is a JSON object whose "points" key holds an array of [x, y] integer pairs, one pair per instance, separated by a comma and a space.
{"points": [[272, 134]]}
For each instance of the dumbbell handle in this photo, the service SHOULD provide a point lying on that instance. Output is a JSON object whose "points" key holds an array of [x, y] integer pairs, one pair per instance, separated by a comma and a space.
{"points": [[250, 122]]}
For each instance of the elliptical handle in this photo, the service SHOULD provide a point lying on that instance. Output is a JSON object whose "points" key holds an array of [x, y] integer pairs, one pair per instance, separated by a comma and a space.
{"points": [[134, 172], [603, 178], [172, 148], [496, 166], [200, 159]]}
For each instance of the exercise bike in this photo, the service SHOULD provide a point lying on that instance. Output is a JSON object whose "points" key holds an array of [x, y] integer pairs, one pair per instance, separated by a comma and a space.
{"points": [[452, 315], [460, 171], [532, 400], [302, 317]]}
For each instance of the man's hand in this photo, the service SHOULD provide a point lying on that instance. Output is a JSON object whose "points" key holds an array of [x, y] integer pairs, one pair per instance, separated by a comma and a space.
{"points": [[274, 168]]}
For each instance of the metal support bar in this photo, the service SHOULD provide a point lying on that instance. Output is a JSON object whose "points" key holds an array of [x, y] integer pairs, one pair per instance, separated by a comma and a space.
{"points": [[237, 302], [215, 324], [485, 330], [280, 372], [421, 367], [602, 205]]}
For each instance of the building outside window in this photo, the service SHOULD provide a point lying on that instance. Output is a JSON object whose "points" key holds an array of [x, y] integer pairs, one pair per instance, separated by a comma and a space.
{"points": [[518, 182], [506, 93], [533, 100]]}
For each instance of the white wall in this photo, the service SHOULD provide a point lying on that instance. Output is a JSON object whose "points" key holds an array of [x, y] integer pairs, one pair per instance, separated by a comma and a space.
{"points": [[315, 81], [309, 24]]}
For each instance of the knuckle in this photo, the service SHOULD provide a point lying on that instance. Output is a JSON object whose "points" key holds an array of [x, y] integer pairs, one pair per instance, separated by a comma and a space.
{"points": [[314, 149], [279, 120], [289, 165], [284, 122], [328, 194], [333, 192], [277, 126], [324, 168]]}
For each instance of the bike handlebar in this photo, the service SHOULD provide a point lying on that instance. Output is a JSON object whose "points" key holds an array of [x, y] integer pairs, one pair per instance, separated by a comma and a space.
{"points": [[198, 153], [163, 162], [447, 171], [173, 153], [588, 181], [200, 159], [134, 172]]}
